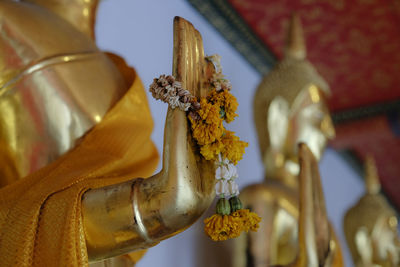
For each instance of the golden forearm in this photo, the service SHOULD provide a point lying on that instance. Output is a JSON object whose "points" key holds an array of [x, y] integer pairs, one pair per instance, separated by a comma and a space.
{"points": [[142, 212]]}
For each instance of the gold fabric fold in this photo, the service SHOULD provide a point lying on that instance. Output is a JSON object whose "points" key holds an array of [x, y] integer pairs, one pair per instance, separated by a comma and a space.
{"points": [[40, 215]]}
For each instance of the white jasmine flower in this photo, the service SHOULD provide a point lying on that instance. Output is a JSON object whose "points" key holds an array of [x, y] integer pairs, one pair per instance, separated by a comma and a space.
{"points": [[225, 170], [232, 171], [226, 161], [221, 172], [233, 188], [221, 187]]}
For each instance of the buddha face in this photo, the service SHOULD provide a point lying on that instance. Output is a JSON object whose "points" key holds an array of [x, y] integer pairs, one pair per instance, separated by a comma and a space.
{"points": [[385, 240], [306, 120], [309, 122], [371, 232]]}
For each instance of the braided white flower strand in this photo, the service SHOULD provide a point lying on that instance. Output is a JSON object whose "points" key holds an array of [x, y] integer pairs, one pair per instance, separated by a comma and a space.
{"points": [[170, 91], [218, 80]]}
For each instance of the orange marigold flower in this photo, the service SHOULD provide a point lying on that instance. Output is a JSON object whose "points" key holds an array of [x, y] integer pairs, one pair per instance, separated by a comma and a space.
{"points": [[209, 112], [211, 151], [216, 97], [207, 133], [250, 220], [233, 147], [226, 101], [209, 128], [222, 227]]}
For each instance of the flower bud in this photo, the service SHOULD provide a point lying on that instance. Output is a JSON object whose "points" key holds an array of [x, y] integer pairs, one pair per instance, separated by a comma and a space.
{"points": [[235, 203], [223, 207]]}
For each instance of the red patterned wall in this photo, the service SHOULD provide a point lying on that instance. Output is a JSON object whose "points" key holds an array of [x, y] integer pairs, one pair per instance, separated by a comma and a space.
{"points": [[355, 45]]}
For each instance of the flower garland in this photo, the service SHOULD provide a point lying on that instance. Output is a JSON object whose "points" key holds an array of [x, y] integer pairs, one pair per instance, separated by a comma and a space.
{"points": [[216, 144]]}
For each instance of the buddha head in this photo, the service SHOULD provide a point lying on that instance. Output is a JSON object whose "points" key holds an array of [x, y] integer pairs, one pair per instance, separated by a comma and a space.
{"points": [[290, 107], [370, 226]]}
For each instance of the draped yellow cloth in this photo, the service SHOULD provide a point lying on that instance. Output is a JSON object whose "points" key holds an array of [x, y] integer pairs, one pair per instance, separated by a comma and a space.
{"points": [[40, 215]]}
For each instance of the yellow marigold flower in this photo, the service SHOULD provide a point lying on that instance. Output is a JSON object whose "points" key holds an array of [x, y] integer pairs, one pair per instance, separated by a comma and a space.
{"points": [[226, 101], [209, 128], [209, 112], [222, 227], [233, 147], [216, 97], [230, 106], [207, 133], [211, 151], [193, 122], [250, 220]]}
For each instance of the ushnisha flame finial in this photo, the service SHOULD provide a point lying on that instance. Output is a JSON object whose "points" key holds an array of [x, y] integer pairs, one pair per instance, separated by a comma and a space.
{"points": [[372, 183], [295, 47]]}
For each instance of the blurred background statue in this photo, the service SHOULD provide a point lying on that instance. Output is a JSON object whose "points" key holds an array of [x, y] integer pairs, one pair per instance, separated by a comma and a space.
{"points": [[371, 226], [75, 134], [289, 108]]}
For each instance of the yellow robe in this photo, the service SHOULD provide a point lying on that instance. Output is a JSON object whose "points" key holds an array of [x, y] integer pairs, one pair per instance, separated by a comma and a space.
{"points": [[40, 215]]}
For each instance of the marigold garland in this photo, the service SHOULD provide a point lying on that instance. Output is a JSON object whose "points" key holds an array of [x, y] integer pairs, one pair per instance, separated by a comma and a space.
{"points": [[227, 103], [250, 220], [233, 147], [211, 151], [216, 144], [222, 227], [209, 127], [229, 145]]}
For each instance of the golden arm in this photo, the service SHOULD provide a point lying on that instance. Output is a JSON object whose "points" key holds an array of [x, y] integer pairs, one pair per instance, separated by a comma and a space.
{"points": [[80, 13], [142, 212], [83, 84]]}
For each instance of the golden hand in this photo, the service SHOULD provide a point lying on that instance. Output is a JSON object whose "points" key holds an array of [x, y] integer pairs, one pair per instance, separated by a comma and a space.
{"points": [[317, 246], [150, 210]]}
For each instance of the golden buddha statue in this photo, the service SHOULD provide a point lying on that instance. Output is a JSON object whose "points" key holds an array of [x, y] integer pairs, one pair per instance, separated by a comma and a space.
{"points": [[75, 136], [289, 108], [370, 226]]}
